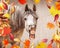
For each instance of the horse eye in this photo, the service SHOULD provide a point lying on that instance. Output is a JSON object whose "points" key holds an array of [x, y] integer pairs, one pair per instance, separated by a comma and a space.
{"points": [[25, 18], [36, 18]]}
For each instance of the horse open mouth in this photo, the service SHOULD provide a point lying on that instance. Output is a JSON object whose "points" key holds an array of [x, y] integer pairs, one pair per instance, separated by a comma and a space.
{"points": [[32, 32]]}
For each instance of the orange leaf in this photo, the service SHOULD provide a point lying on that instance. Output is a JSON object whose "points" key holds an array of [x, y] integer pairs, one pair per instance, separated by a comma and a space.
{"points": [[15, 46], [5, 42], [57, 4], [50, 26], [50, 46]]}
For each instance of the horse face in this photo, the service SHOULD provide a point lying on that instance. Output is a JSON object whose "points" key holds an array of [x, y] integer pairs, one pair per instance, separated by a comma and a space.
{"points": [[30, 18], [29, 22]]}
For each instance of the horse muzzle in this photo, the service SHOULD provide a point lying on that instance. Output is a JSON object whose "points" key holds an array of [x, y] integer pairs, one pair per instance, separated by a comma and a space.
{"points": [[31, 29]]}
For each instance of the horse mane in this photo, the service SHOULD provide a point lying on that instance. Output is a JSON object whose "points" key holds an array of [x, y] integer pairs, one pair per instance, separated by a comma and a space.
{"points": [[16, 20]]}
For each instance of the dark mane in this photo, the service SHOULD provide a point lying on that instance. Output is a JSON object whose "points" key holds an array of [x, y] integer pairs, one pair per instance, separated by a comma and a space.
{"points": [[16, 20]]}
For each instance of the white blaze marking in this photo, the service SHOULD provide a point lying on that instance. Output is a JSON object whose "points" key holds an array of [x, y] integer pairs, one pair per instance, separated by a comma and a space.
{"points": [[30, 20]]}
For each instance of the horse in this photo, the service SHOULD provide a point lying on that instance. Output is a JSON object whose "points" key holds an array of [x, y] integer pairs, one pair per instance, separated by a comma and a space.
{"points": [[30, 18], [17, 25], [19, 22]]}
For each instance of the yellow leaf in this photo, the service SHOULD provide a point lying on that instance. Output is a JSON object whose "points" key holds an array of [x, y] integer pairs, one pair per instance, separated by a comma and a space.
{"points": [[53, 11], [7, 15], [41, 45], [12, 9], [1, 6], [17, 40], [36, 1]]}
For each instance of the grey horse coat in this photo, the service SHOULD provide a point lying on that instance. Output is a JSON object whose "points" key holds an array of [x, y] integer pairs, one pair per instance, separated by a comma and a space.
{"points": [[16, 20], [17, 23]]}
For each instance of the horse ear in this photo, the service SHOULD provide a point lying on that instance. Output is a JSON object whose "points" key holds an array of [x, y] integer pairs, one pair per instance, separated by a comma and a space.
{"points": [[26, 7], [34, 7]]}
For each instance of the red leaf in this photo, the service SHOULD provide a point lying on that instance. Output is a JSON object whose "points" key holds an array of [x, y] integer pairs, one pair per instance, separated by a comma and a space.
{"points": [[5, 5], [56, 17], [11, 36], [7, 30], [22, 1]]}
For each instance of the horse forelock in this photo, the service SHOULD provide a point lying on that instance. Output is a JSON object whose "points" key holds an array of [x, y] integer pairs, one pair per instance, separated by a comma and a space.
{"points": [[31, 12]]}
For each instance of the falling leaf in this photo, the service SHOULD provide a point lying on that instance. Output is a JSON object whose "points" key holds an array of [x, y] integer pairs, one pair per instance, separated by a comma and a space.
{"points": [[1, 31], [56, 17], [16, 39], [22, 1], [26, 43], [12, 9], [56, 37], [57, 4], [5, 42], [1, 6], [49, 1], [36, 1], [6, 29], [53, 11], [50, 25], [7, 1], [5, 6], [7, 15], [45, 40], [11, 36], [15, 46], [32, 45], [41, 45], [50, 46]]}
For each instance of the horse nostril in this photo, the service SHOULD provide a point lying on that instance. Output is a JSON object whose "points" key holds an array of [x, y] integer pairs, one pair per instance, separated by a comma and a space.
{"points": [[36, 18], [25, 19], [29, 25]]}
